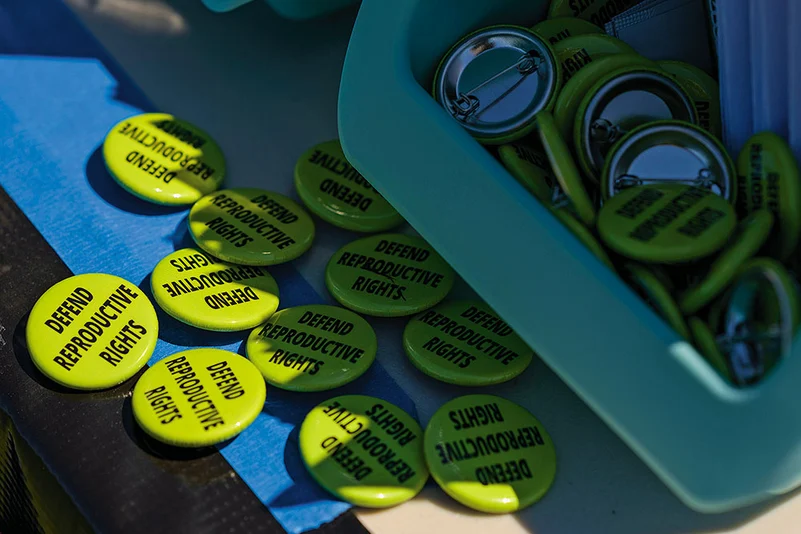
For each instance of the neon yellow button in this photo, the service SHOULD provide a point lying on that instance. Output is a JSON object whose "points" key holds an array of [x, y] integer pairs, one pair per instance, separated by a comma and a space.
{"points": [[489, 454], [92, 331], [251, 227], [555, 30], [312, 348], [599, 12], [364, 450], [574, 53], [565, 168], [708, 347], [584, 235], [704, 91], [388, 275], [531, 168], [751, 235], [769, 178], [666, 223], [202, 291], [650, 288], [465, 343], [165, 160], [198, 398], [334, 191]]}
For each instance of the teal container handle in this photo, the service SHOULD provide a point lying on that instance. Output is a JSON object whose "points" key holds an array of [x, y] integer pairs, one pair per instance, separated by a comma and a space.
{"points": [[715, 446]]}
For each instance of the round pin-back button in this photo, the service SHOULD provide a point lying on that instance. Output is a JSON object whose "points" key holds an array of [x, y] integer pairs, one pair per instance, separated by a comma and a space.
{"points": [[465, 343], [364, 450], [91, 331], [574, 53], [555, 30], [666, 223], [652, 291], [495, 80], [312, 348], [388, 275], [704, 91], [769, 178], [162, 159], [489, 453], [707, 346], [198, 398], [584, 235], [565, 169], [202, 291], [532, 169], [335, 191], [618, 103], [669, 152], [251, 227], [748, 239], [599, 12]]}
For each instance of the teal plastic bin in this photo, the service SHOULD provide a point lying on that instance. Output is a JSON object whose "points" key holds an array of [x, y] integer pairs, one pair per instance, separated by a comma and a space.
{"points": [[715, 446], [291, 9]]}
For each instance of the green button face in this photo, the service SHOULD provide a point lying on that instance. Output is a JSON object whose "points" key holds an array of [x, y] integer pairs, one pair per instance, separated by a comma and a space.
{"points": [[705, 343], [163, 159], [198, 398], [92, 331], [489, 454], [704, 91], [666, 223], [202, 291], [651, 289], [565, 168], [574, 53], [555, 30], [769, 178], [334, 191], [751, 235], [465, 343], [388, 275], [531, 168], [251, 227], [364, 450], [312, 348], [584, 235], [599, 12]]}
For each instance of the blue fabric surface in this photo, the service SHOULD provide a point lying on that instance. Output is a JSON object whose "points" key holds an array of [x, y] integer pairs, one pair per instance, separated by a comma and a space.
{"points": [[60, 93]]}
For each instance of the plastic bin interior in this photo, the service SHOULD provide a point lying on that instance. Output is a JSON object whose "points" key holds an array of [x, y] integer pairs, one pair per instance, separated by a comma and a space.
{"points": [[715, 446], [291, 9]]}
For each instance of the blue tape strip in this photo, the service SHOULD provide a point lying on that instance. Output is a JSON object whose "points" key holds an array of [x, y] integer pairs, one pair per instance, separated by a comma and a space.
{"points": [[60, 95]]}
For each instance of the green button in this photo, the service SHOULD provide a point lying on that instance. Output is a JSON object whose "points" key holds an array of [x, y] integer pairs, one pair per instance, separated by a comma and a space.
{"points": [[666, 223], [312, 348], [489, 454], [599, 12], [198, 398], [251, 227], [465, 343], [704, 91], [531, 168], [574, 91], [751, 235], [334, 191], [584, 235], [574, 53], [769, 178], [91, 331], [364, 450], [653, 291], [388, 275], [555, 30], [165, 160], [202, 291], [565, 168], [708, 347]]}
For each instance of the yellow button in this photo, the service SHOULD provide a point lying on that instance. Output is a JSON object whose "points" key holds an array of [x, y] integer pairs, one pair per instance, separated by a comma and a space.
{"points": [[92, 331], [198, 398], [555, 30], [208, 293], [165, 160], [574, 53]]}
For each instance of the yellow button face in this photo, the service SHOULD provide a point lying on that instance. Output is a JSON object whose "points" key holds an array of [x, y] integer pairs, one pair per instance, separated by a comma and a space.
{"points": [[92, 331], [251, 227], [202, 291], [489, 454], [165, 160], [599, 12], [198, 398], [555, 30], [312, 348], [364, 450], [531, 168], [704, 91], [574, 53]]}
